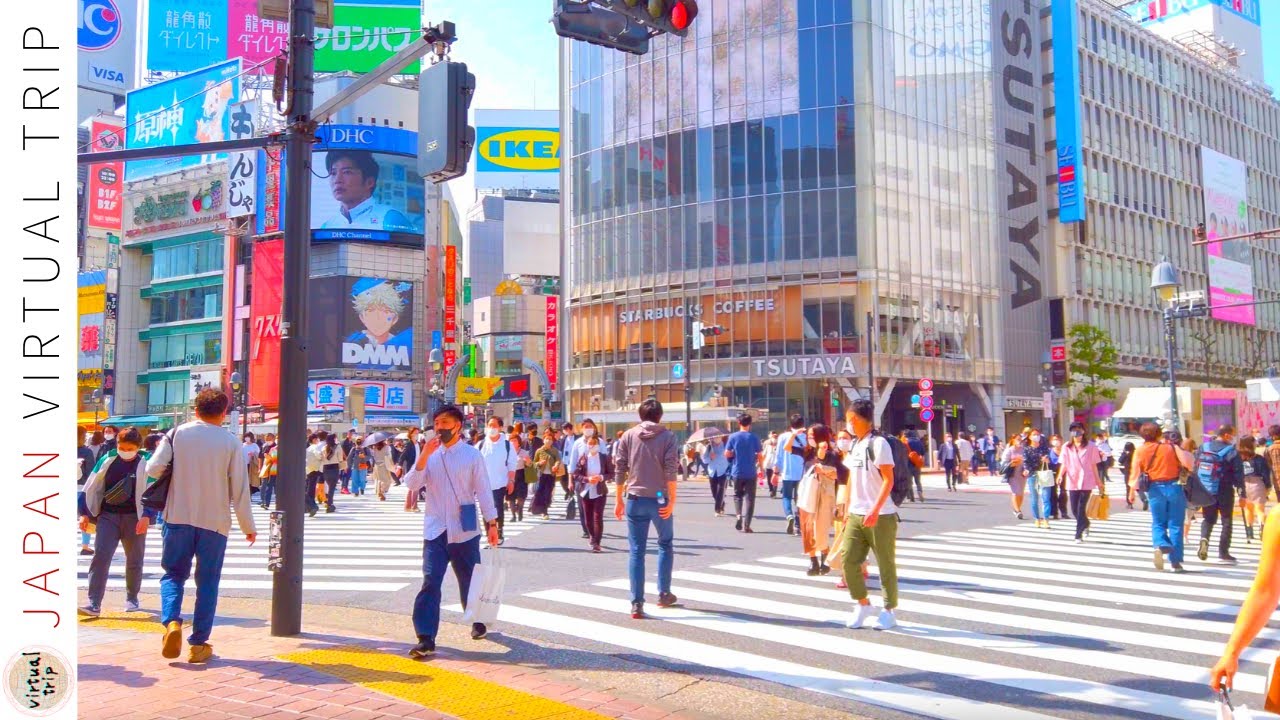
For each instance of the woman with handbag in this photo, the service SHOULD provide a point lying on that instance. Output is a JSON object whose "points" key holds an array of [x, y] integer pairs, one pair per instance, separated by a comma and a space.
{"points": [[520, 487], [1080, 463], [1257, 483], [380, 459], [332, 463], [592, 475], [550, 467], [1035, 467], [1058, 509], [1011, 467], [358, 467], [816, 496]]}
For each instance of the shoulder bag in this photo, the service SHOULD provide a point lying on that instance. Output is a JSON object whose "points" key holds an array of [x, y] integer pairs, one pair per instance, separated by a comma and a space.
{"points": [[157, 493]]}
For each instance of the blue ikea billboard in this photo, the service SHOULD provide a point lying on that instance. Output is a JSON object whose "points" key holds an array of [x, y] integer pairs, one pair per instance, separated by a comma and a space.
{"points": [[1066, 97]]}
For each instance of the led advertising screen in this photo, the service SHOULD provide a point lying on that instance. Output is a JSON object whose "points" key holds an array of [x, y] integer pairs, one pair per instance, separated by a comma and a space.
{"points": [[191, 108], [1226, 213], [361, 323], [367, 186]]}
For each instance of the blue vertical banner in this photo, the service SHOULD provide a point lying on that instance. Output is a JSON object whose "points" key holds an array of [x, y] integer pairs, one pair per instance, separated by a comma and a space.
{"points": [[185, 35], [1066, 98]]}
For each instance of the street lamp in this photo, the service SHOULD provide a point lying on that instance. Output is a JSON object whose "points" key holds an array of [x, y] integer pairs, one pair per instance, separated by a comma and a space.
{"points": [[1165, 283], [237, 386], [97, 404], [436, 358]]}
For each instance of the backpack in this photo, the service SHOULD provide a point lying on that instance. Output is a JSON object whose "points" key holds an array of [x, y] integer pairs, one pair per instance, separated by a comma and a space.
{"points": [[901, 466], [1210, 468]]}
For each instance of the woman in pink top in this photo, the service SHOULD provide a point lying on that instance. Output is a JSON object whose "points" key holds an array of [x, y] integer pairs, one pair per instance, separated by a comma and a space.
{"points": [[1079, 468]]}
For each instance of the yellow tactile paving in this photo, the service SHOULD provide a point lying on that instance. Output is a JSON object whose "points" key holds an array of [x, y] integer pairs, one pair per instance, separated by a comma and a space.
{"points": [[137, 622], [446, 691]]}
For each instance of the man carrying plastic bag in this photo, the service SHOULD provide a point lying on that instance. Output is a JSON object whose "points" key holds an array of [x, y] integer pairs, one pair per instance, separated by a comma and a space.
{"points": [[454, 476]]}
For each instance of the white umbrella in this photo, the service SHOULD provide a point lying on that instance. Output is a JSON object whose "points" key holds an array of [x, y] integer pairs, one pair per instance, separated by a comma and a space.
{"points": [[704, 435], [374, 439], [402, 436]]}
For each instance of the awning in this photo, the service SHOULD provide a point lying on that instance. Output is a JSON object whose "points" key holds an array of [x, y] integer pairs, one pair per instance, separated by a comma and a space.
{"points": [[125, 420], [88, 419]]}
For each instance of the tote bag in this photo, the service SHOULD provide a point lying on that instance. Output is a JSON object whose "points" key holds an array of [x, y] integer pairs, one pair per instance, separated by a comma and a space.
{"points": [[484, 597]]}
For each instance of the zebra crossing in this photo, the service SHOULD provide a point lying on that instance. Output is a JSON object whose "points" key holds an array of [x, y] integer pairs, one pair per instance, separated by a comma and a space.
{"points": [[1001, 622], [367, 546]]}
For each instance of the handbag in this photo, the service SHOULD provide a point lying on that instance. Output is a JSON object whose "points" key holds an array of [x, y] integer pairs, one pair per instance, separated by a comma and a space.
{"points": [[1044, 479], [484, 596], [157, 493]]}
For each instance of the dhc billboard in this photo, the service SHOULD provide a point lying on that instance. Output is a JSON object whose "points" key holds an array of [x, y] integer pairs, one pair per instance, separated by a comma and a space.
{"points": [[1066, 98]]}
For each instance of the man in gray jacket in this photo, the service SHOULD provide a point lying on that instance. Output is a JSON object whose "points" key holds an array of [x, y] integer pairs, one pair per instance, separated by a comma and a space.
{"points": [[648, 457], [209, 477]]}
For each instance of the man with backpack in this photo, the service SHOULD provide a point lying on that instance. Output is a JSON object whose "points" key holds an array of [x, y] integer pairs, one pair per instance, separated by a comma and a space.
{"points": [[500, 460], [789, 463], [871, 525], [1221, 472], [916, 452]]}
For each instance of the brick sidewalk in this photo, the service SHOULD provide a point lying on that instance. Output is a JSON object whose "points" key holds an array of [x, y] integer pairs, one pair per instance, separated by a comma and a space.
{"points": [[256, 676]]}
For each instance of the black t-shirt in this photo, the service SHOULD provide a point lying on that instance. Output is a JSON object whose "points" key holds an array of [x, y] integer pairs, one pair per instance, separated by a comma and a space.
{"points": [[120, 472]]}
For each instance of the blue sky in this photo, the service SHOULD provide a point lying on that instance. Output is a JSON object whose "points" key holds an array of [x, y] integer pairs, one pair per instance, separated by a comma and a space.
{"points": [[1271, 45], [512, 50]]}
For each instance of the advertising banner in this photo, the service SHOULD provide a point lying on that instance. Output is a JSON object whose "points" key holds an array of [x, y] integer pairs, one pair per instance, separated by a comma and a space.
{"points": [[361, 323], [91, 300], [265, 307], [1154, 11], [242, 167], [476, 390], [1226, 212], [367, 185], [518, 149], [450, 305], [1066, 96], [252, 37], [270, 219], [366, 32], [204, 379], [553, 342], [106, 180], [185, 35], [105, 35], [192, 108], [331, 395], [513, 388], [184, 206]]}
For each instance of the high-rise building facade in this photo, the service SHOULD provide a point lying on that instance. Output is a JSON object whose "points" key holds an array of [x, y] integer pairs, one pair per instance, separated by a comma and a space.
{"points": [[823, 179]]}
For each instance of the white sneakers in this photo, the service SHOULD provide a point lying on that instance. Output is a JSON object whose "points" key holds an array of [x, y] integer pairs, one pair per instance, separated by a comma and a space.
{"points": [[863, 613], [885, 619]]}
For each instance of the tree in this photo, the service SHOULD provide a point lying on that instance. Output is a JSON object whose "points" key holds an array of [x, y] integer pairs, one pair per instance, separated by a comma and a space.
{"points": [[1093, 367]]}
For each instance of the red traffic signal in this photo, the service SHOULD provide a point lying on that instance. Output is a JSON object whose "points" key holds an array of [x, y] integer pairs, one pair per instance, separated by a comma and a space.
{"points": [[682, 14], [659, 16], [713, 330]]}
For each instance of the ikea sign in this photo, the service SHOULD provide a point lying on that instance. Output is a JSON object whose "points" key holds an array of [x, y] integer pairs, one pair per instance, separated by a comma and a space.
{"points": [[517, 149]]}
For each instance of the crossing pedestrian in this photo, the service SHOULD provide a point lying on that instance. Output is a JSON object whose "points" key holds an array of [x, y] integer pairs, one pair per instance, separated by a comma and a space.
{"points": [[315, 470], [949, 459], [1058, 500], [648, 456], [520, 487], [844, 443], [593, 473], [789, 463], [86, 459], [1125, 462], [770, 454], [872, 519], [1256, 609], [987, 445], [456, 478], [1102, 442], [745, 454], [966, 454], [1156, 469], [567, 441], [917, 452], [717, 464], [349, 444], [816, 496], [270, 473], [358, 465], [1080, 464], [976, 460], [380, 464], [501, 459], [332, 463], [1219, 463], [547, 459], [573, 453], [1011, 465], [113, 502], [1035, 458], [209, 479]]}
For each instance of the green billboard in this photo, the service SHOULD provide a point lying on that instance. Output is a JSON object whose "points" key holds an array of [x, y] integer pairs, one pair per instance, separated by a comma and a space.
{"points": [[367, 32]]}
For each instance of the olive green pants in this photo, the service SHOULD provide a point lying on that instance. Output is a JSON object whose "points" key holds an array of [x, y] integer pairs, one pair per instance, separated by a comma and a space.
{"points": [[857, 541]]}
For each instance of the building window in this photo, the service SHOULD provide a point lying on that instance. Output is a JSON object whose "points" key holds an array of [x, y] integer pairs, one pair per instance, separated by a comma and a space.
{"points": [[192, 258], [163, 395], [193, 304], [182, 350]]}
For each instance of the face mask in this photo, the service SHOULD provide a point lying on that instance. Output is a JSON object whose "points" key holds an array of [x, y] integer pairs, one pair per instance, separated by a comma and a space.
{"points": [[494, 433], [445, 435], [127, 455], [1035, 438], [109, 436], [588, 433], [845, 445]]}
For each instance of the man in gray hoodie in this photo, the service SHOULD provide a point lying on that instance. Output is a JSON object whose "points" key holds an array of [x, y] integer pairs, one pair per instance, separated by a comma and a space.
{"points": [[648, 457]]}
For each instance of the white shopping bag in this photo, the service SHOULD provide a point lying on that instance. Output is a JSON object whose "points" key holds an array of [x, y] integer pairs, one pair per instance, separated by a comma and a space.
{"points": [[484, 597]]}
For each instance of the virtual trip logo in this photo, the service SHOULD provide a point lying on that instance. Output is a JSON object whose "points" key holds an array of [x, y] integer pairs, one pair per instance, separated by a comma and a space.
{"points": [[99, 24]]}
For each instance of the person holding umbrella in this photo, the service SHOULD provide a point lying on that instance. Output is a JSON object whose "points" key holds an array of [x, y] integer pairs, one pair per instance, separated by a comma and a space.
{"points": [[711, 440], [380, 460]]}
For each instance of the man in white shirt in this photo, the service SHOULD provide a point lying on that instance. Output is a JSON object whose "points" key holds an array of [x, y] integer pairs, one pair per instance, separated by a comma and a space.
{"points": [[353, 176], [500, 461], [872, 523], [965, 448], [455, 478]]}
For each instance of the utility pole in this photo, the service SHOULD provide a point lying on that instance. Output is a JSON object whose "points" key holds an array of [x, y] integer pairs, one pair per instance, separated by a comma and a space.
{"points": [[688, 370], [871, 371], [286, 587]]}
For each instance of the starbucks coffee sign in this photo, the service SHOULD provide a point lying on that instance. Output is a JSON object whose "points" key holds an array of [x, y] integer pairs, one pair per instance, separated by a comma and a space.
{"points": [[815, 366]]}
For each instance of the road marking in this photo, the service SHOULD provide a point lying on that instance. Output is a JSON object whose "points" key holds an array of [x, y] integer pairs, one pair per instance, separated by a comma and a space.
{"points": [[225, 584]]}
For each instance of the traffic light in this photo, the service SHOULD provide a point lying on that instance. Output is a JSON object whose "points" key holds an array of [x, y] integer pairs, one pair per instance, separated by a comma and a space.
{"points": [[445, 140], [661, 16], [600, 26], [711, 330], [697, 336], [835, 398]]}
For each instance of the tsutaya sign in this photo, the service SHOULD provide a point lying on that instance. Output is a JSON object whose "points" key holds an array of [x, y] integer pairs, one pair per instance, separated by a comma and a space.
{"points": [[812, 366]]}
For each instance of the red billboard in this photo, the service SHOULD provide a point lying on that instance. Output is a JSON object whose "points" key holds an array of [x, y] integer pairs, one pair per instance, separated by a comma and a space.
{"points": [[553, 341], [265, 307], [105, 179]]}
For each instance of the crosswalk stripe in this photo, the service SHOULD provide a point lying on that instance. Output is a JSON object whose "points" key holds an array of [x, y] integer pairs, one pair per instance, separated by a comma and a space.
{"points": [[261, 559], [916, 660], [307, 572], [314, 585], [815, 679]]}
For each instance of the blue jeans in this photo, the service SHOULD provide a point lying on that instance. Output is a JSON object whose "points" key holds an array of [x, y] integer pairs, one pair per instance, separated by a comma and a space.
{"points": [[990, 458], [437, 554], [1168, 513], [268, 491], [359, 479], [181, 544], [789, 497], [640, 512], [1039, 496]]}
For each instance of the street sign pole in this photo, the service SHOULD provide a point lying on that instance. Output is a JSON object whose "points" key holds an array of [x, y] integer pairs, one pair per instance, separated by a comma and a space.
{"points": [[286, 585]]}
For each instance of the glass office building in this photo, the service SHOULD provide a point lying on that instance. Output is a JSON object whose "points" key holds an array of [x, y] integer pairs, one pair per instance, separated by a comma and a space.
{"points": [[819, 179]]}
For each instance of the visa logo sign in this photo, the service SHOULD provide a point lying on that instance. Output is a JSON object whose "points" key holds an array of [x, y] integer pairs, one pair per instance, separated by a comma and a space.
{"points": [[105, 74], [521, 149]]}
